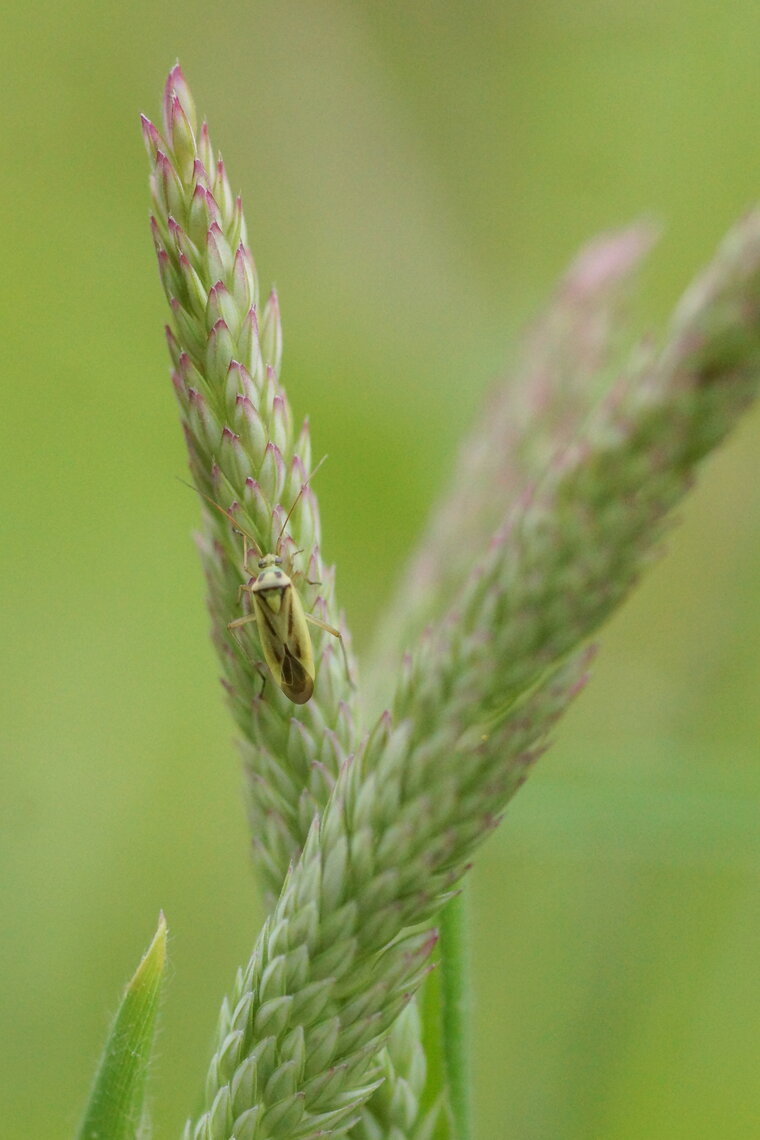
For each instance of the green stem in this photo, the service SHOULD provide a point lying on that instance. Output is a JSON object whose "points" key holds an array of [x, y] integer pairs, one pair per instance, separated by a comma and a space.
{"points": [[455, 986]]}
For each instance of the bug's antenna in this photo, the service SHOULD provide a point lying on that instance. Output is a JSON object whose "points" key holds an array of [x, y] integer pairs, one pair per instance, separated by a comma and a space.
{"points": [[304, 485], [227, 514]]}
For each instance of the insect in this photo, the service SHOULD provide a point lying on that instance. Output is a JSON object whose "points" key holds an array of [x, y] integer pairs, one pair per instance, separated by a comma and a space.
{"points": [[281, 620]]}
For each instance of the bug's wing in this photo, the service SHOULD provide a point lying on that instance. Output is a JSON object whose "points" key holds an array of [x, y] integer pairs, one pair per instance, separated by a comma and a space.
{"points": [[298, 657], [285, 641], [295, 682]]}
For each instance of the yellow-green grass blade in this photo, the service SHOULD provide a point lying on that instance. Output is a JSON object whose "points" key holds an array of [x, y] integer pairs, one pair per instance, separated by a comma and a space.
{"points": [[116, 1107]]}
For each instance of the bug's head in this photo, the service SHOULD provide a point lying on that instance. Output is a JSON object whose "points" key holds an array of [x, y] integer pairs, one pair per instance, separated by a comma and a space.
{"points": [[269, 560]]}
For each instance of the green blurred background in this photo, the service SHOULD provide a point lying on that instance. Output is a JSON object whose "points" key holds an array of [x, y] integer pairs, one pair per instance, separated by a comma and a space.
{"points": [[415, 177]]}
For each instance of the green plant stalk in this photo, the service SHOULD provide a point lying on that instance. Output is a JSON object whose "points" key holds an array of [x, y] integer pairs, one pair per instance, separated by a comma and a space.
{"points": [[436, 1097], [456, 1000]]}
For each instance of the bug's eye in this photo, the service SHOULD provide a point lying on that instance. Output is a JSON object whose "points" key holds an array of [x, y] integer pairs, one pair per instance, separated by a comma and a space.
{"points": [[261, 564], [277, 560]]}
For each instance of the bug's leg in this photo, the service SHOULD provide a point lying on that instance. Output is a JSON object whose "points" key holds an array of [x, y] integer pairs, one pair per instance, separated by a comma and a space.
{"points": [[245, 588], [335, 633], [244, 620], [308, 581], [302, 574], [232, 626], [248, 550], [258, 666], [263, 674]]}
